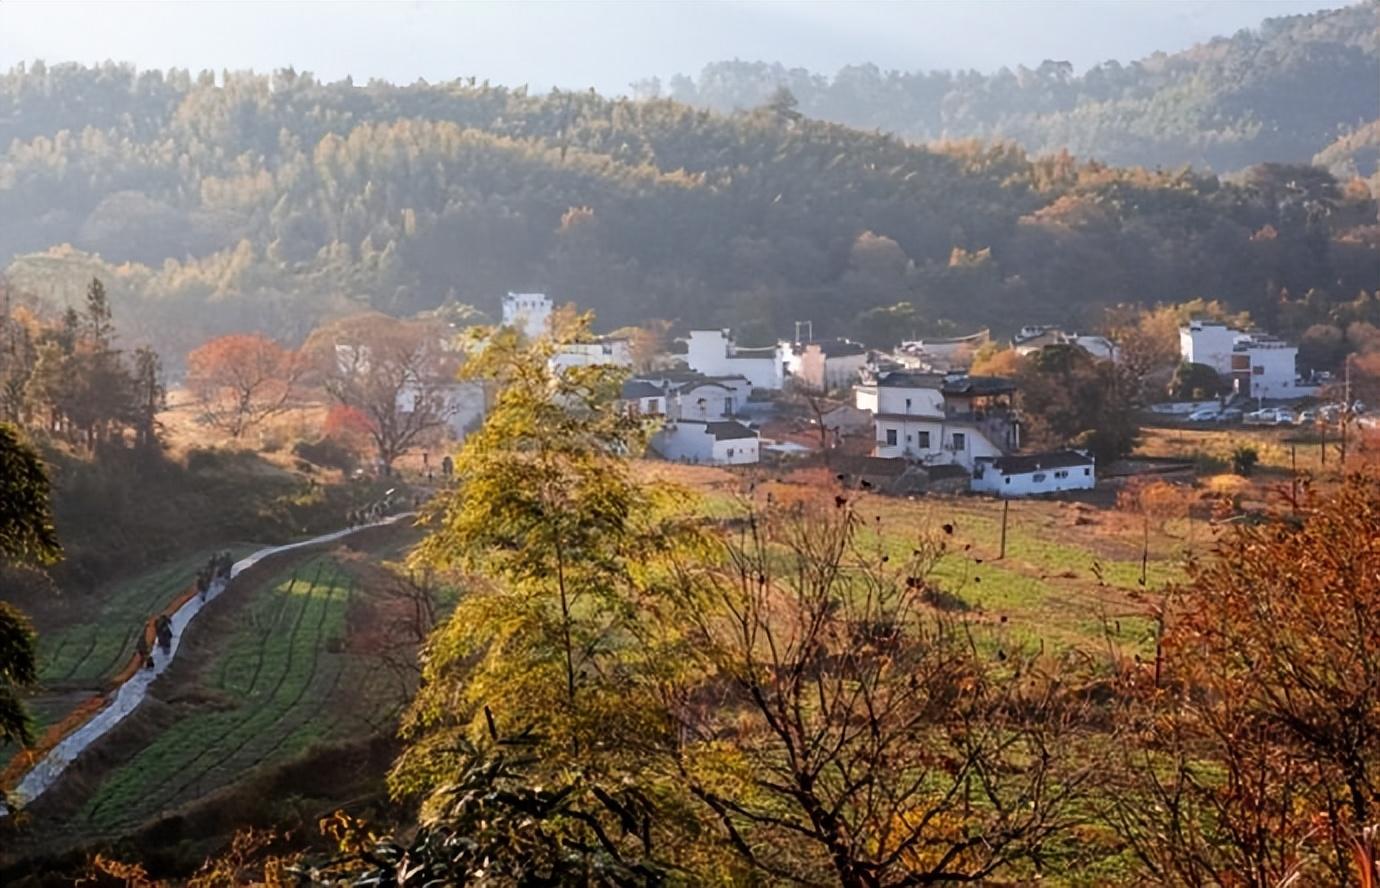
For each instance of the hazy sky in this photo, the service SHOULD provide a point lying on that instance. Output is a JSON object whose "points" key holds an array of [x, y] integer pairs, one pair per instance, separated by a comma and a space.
{"points": [[608, 45]]}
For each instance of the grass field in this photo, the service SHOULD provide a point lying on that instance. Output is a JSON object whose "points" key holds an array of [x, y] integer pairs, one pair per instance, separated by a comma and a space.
{"points": [[270, 689]]}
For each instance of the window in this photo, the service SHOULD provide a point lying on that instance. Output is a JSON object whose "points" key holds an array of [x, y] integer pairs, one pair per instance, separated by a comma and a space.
{"points": [[907, 404], [1087, 472], [1257, 370], [1038, 477], [1061, 474], [960, 441], [891, 437], [730, 453], [1008, 481], [924, 439]]}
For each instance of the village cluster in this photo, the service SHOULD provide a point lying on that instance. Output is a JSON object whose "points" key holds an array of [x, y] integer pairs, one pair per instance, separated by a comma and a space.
{"points": [[910, 418]]}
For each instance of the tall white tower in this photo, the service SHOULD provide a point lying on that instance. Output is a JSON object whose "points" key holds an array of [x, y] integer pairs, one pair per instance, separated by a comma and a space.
{"points": [[528, 312]]}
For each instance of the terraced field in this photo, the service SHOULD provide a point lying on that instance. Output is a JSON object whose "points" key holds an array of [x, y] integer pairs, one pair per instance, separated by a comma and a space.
{"points": [[279, 681]]}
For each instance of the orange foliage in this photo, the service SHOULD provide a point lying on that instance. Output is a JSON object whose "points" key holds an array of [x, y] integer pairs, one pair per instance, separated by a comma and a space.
{"points": [[242, 379]]}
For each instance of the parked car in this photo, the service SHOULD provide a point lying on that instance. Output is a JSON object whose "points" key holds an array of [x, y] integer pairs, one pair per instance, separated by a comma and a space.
{"points": [[1261, 417], [1205, 414], [1307, 417], [1284, 416]]}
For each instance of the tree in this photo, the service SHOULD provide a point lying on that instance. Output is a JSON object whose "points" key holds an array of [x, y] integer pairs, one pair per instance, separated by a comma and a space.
{"points": [[241, 380], [555, 541], [1195, 382], [1068, 398], [395, 373], [846, 732], [1260, 755], [27, 536]]}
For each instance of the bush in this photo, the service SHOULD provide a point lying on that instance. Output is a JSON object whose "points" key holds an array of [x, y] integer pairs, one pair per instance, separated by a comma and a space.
{"points": [[326, 452], [1244, 459]]}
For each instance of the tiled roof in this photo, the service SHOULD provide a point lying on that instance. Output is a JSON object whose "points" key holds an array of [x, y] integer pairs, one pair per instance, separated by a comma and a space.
{"points": [[1035, 462], [729, 430]]}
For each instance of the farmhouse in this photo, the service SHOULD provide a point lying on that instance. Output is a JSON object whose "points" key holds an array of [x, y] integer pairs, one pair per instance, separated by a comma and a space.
{"points": [[713, 353], [528, 312], [726, 442], [936, 419], [1036, 473], [1259, 366], [827, 365]]}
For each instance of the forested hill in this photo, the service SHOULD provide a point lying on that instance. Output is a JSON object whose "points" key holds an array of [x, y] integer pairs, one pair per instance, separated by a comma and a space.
{"points": [[209, 203], [1278, 93]]}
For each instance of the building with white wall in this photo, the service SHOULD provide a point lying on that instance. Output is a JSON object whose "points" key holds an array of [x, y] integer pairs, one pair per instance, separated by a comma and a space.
{"points": [[1034, 474], [829, 365], [528, 312], [935, 419], [713, 353], [1209, 342], [725, 442], [1263, 367], [604, 351]]}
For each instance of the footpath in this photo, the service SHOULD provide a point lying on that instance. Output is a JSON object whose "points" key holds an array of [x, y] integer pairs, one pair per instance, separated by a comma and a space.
{"points": [[125, 697]]}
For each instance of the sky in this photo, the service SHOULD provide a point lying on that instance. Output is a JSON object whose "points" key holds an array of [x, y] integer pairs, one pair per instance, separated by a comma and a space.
{"points": [[609, 45]]}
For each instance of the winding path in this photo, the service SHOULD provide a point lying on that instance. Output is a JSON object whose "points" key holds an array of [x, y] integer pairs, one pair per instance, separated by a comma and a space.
{"points": [[127, 697]]}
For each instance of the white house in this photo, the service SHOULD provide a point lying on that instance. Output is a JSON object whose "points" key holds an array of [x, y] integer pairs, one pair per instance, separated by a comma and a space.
{"points": [[1210, 343], [1265, 367], [726, 442], [713, 353], [1035, 337], [936, 419], [827, 365], [603, 351], [1035, 473], [642, 397], [528, 312]]}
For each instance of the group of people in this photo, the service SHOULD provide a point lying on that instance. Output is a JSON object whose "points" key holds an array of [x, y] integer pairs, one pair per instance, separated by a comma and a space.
{"points": [[217, 568], [369, 514]]}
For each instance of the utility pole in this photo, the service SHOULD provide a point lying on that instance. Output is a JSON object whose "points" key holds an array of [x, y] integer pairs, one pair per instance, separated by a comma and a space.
{"points": [[1005, 507]]}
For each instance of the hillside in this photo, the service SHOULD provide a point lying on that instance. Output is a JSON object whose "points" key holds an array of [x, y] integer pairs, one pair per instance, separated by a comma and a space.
{"points": [[211, 203], [1277, 93]]}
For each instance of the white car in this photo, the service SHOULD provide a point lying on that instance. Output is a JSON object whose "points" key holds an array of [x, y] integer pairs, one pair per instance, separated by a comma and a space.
{"points": [[1284, 416], [1261, 417], [1205, 414]]}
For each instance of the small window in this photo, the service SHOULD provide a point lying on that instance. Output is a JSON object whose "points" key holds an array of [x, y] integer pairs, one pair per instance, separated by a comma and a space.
{"points": [[960, 441], [730, 453], [924, 439], [907, 403], [1087, 472], [1038, 477], [891, 437], [1061, 474], [1007, 481], [1257, 370]]}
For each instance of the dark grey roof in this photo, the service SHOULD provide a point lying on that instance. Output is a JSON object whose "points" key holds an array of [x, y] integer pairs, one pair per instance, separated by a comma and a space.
{"points": [[838, 348], [978, 385], [728, 430], [876, 466], [1035, 462], [641, 388], [944, 471], [911, 379]]}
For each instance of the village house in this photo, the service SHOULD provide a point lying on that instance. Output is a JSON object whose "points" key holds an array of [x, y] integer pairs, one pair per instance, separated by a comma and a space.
{"points": [[713, 353], [935, 419], [723, 442], [1034, 474], [686, 395], [1032, 338], [529, 313], [829, 365], [941, 354], [602, 351], [1259, 366]]}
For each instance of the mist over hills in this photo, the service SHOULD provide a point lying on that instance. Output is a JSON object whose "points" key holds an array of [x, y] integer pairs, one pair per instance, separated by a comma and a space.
{"points": [[270, 202], [1280, 92]]}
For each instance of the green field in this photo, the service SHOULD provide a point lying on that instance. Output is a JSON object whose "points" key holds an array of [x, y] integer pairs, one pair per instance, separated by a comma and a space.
{"points": [[276, 684]]}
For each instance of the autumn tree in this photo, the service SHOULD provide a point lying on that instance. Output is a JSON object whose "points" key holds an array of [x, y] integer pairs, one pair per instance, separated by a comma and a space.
{"points": [[1069, 398], [241, 380], [396, 374], [26, 537], [846, 732], [1259, 753]]}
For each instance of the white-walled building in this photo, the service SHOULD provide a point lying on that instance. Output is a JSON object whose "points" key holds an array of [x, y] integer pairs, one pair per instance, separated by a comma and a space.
{"points": [[604, 351], [1264, 367], [713, 353], [829, 365], [1033, 474], [686, 395], [528, 312], [935, 419], [1035, 337], [1209, 342], [725, 442]]}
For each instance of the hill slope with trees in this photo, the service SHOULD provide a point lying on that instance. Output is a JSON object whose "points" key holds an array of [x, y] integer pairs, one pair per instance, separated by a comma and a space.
{"points": [[1277, 93], [215, 203]]}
